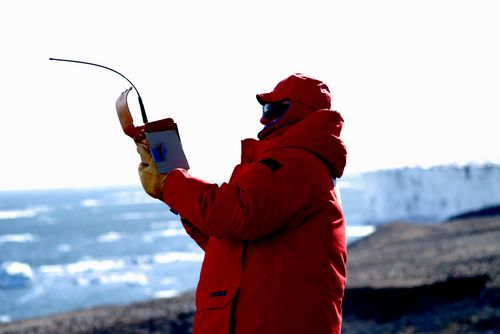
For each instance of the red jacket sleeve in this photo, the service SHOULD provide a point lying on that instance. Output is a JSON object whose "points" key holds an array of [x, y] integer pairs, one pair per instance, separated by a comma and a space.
{"points": [[259, 202], [195, 234]]}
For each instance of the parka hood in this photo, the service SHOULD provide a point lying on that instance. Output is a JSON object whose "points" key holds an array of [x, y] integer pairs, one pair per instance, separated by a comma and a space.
{"points": [[318, 133]]}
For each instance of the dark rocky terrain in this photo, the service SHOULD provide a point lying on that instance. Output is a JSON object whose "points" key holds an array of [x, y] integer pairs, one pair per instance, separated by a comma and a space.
{"points": [[404, 278], [415, 278]]}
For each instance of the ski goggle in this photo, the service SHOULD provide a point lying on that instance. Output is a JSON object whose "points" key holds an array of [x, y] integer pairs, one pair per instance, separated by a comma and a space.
{"points": [[273, 110]]}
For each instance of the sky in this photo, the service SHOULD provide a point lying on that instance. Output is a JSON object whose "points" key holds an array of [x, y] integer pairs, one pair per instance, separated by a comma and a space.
{"points": [[417, 82]]}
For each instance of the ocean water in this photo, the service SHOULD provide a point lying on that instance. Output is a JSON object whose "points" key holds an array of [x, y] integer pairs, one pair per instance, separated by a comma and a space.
{"points": [[63, 250]]}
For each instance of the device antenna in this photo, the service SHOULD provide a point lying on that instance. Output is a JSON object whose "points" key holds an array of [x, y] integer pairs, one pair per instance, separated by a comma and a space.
{"points": [[143, 111]]}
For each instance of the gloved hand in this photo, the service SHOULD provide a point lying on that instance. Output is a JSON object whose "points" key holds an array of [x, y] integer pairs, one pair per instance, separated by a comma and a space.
{"points": [[151, 180]]}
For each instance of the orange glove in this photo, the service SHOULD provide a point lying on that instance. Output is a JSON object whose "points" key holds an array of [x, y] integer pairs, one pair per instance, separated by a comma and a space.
{"points": [[151, 180]]}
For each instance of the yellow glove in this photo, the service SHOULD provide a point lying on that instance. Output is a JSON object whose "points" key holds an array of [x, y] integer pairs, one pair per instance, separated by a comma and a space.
{"points": [[151, 180]]}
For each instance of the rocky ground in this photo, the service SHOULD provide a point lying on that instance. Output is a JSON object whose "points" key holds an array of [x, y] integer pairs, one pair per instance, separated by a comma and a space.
{"points": [[440, 278], [405, 278]]}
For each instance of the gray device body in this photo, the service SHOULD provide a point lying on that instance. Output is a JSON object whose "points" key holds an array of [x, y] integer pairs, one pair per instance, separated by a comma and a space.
{"points": [[166, 149]]}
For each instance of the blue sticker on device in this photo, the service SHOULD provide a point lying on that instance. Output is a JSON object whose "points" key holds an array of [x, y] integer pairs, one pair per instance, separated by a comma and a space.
{"points": [[159, 153]]}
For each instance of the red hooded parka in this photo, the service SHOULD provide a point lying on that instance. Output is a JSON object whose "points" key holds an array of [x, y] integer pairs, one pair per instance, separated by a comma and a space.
{"points": [[274, 235]]}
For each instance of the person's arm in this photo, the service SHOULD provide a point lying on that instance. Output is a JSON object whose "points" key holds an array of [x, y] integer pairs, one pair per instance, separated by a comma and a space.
{"points": [[153, 184], [268, 196]]}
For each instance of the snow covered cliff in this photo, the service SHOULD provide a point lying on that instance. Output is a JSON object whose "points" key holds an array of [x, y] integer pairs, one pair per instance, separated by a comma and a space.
{"points": [[433, 194]]}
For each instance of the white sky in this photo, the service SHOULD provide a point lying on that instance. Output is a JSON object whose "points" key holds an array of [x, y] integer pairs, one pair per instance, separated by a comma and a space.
{"points": [[418, 82]]}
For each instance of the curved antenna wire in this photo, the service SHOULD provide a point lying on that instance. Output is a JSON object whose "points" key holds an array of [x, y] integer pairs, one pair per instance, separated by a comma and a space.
{"points": [[143, 111]]}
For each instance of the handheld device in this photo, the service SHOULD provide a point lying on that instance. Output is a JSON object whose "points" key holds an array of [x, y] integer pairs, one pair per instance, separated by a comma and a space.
{"points": [[161, 137]]}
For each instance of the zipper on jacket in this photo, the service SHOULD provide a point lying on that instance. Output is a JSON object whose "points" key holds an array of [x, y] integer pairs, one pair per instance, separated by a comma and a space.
{"points": [[232, 315]]}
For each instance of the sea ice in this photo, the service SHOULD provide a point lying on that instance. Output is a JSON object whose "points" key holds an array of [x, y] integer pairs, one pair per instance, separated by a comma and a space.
{"points": [[15, 275]]}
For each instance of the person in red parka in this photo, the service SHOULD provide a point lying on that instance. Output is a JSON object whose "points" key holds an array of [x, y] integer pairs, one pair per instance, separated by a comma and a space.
{"points": [[274, 235]]}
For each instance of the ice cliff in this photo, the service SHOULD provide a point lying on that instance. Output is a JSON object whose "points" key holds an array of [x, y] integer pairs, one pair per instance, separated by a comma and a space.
{"points": [[425, 194]]}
